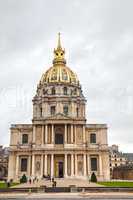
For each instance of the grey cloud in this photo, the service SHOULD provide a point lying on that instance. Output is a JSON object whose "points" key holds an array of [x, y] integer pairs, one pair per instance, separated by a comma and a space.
{"points": [[97, 36]]}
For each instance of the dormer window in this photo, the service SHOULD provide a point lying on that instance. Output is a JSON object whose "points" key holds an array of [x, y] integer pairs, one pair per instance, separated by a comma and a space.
{"points": [[53, 91], [65, 90]]}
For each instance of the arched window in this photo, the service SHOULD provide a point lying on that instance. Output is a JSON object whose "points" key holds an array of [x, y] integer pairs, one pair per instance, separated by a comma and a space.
{"points": [[41, 111], [65, 90], [77, 110], [53, 90], [92, 138], [25, 139]]}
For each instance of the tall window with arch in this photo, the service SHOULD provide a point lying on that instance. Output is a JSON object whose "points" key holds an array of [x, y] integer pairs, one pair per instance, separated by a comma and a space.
{"points": [[77, 110], [65, 90], [53, 91], [65, 110]]}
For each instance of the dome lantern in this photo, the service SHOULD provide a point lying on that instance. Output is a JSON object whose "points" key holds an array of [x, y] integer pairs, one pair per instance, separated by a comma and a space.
{"points": [[59, 54], [59, 72]]}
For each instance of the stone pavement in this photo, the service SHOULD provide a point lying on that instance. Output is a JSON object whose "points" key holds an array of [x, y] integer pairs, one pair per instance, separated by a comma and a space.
{"points": [[60, 183], [56, 196]]}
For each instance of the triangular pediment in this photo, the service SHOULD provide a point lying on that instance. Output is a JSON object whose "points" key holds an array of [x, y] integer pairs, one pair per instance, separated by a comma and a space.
{"points": [[59, 116]]}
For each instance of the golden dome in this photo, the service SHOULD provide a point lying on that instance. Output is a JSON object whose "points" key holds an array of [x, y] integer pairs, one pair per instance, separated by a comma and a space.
{"points": [[59, 72]]}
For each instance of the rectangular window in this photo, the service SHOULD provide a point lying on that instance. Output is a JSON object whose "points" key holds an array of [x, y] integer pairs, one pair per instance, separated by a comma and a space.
{"points": [[92, 138], [25, 139], [23, 164], [52, 110], [93, 164]]}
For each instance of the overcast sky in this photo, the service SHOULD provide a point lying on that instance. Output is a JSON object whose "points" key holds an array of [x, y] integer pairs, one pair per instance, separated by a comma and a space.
{"points": [[98, 38]]}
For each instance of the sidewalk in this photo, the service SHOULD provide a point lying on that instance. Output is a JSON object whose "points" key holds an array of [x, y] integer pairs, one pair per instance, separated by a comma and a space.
{"points": [[64, 195]]}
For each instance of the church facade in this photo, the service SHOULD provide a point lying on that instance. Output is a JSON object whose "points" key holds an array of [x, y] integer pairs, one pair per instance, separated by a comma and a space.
{"points": [[59, 142]]}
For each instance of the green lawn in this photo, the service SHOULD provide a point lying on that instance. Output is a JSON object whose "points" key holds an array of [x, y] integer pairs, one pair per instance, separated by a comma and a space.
{"points": [[117, 184], [4, 185]]}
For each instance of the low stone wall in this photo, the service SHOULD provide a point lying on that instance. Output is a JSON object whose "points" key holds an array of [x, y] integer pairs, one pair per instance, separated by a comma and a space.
{"points": [[66, 189]]}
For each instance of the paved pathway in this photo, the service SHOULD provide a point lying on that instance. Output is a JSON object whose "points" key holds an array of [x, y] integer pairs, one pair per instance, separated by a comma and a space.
{"points": [[65, 196], [60, 183]]}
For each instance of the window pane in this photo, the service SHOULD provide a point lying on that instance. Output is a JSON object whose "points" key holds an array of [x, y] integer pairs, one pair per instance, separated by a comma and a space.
{"points": [[93, 164], [65, 91], [92, 138], [53, 90], [23, 164], [24, 138], [52, 110], [65, 110]]}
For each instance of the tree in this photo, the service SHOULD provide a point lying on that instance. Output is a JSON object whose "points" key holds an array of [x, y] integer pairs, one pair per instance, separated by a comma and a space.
{"points": [[93, 178], [23, 179]]}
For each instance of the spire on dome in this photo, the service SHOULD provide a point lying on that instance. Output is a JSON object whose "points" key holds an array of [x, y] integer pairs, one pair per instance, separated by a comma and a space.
{"points": [[59, 53], [59, 42]]}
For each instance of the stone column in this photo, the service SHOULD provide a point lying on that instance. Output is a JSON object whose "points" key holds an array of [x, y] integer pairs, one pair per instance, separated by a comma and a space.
{"points": [[46, 134], [33, 165], [84, 164], [88, 162], [65, 165], [52, 165], [84, 134], [34, 134], [76, 169], [42, 165], [75, 133], [72, 133], [72, 165], [65, 139], [29, 165], [42, 135], [17, 165], [45, 168], [52, 140], [100, 166]]}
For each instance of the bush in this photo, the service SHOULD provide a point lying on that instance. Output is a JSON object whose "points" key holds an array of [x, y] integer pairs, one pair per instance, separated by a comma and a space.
{"points": [[23, 179], [93, 178]]}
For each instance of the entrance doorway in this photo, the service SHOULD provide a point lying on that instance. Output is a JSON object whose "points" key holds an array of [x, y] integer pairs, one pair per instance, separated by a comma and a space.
{"points": [[59, 166]]}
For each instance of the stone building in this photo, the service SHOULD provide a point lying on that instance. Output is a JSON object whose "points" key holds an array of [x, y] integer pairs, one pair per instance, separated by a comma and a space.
{"points": [[116, 158], [59, 143], [123, 172]]}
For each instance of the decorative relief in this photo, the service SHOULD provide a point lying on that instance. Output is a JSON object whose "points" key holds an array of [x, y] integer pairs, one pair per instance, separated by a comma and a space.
{"points": [[38, 166], [79, 134], [80, 167], [38, 135]]}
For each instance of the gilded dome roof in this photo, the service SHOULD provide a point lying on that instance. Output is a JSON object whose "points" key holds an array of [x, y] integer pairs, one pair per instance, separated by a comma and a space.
{"points": [[59, 72]]}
